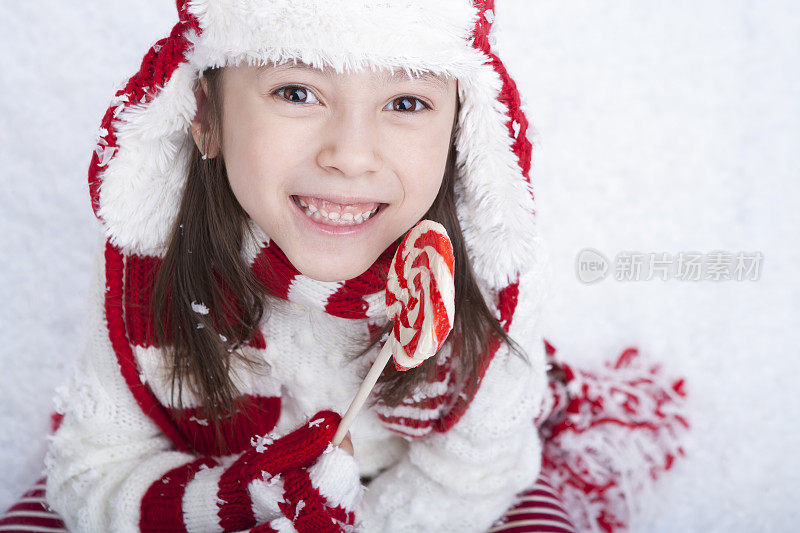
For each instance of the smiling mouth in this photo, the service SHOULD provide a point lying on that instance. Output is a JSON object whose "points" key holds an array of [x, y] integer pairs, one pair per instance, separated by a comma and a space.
{"points": [[336, 216]]}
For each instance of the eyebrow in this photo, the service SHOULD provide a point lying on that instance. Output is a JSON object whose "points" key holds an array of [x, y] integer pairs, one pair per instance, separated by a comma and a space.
{"points": [[384, 76]]}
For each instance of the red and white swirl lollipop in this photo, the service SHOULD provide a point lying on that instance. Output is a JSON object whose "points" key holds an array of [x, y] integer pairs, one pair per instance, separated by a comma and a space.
{"points": [[420, 294], [420, 301]]}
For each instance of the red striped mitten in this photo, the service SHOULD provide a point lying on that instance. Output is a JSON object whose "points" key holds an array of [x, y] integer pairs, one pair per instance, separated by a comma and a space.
{"points": [[234, 496], [320, 498]]}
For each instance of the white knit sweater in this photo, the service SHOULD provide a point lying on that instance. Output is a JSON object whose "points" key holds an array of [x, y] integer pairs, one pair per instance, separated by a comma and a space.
{"points": [[107, 452]]}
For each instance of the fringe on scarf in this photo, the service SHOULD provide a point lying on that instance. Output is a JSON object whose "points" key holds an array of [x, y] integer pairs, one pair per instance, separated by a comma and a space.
{"points": [[608, 435]]}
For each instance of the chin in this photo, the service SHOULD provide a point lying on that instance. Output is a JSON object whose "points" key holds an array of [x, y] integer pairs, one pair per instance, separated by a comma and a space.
{"points": [[327, 272]]}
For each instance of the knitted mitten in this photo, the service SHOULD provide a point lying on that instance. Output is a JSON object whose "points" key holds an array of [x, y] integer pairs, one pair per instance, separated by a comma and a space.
{"points": [[320, 497], [275, 479]]}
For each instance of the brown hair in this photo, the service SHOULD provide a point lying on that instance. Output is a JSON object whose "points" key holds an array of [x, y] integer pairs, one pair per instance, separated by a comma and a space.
{"points": [[203, 264]]}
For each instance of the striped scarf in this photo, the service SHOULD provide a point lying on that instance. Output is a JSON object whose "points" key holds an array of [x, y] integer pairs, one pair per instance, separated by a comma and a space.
{"points": [[357, 298]]}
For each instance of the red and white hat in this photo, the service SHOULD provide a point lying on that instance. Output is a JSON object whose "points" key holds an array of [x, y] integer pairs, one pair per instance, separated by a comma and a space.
{"points": [[138, 172]]}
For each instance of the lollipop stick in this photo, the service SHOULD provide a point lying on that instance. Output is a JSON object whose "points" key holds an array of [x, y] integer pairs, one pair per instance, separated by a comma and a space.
{"points": [[363, 392]]}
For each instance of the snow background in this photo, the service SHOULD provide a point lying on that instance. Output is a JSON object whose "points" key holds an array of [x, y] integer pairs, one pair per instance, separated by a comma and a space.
{"points": [[660, 127]]}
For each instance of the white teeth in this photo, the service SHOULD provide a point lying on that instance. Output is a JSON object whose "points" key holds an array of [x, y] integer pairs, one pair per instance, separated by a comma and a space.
{"points": [[346, 219]]}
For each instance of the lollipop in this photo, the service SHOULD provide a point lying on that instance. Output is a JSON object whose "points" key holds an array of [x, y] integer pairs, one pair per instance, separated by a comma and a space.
{"points": [[420, 302]]}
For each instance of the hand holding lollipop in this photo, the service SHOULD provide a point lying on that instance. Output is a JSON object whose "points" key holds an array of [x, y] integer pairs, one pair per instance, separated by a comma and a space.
{"points": [[420, 301]]}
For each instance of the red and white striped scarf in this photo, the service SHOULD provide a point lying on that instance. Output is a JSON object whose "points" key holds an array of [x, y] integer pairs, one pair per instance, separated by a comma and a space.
{"points": [[435, 406]]}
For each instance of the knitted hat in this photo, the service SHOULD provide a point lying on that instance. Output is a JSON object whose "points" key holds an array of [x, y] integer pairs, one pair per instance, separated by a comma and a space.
{"points": [[138, 172]]}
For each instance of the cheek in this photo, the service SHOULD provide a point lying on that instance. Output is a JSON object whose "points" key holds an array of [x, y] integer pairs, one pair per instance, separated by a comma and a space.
{"points": [[424, 165], [421, 185], [255, 158]]}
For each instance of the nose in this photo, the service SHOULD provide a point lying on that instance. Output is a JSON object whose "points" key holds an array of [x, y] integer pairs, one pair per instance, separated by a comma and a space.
{"points": [[351, 144]]}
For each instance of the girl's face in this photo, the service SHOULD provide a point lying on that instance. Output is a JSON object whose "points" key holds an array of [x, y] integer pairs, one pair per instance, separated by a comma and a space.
{"points": [[363, 140]]}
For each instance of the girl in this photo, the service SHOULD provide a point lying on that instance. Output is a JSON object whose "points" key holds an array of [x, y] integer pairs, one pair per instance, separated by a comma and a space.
{"points": [[252, 182]]}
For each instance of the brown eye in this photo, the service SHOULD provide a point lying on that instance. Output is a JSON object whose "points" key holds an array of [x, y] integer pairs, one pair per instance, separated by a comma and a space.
{"points": [[408, 102], [294, 94]]}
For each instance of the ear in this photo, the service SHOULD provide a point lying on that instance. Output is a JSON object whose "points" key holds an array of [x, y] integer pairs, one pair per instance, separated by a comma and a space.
{"points": [[205, 142]]}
